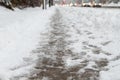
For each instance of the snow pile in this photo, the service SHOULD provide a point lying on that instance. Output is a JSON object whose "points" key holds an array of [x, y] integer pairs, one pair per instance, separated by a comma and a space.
{"points": [[19, 34]]}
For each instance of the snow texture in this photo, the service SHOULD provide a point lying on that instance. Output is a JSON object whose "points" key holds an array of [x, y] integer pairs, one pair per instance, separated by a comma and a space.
{"points": [[19, 34], [93, 36]]}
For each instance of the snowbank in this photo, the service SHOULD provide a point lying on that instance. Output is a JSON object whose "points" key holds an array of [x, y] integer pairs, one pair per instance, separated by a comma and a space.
{"points": [[19, 35]]}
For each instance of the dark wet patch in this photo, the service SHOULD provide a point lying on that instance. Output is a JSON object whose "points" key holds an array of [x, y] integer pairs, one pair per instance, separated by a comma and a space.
{"points": [[102, 62], [116, 58], [106, 43], [91, 37], [89, 74], [88, 32]]}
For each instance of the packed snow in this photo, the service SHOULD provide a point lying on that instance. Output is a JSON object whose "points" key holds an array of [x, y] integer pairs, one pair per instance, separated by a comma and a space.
{"points": [[95, 32]]}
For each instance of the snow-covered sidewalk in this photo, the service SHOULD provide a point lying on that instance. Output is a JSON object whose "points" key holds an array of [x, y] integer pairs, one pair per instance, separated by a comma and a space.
{"points": [[76, 43], [81, 44], [95, 38], [19, 34]]}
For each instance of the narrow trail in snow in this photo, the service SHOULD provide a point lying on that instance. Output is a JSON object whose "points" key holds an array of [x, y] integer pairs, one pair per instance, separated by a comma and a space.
{"points": [[53, 52], [51, 64]]}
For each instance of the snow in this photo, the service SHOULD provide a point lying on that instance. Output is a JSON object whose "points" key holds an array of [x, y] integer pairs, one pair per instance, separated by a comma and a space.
{"points": [[112, 4], [94, 35], [19, 34], [113, 73], [90, 29]]}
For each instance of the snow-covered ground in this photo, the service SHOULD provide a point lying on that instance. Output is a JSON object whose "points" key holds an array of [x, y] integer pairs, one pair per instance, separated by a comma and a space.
{"points": [[19, 34], [93, 36]]}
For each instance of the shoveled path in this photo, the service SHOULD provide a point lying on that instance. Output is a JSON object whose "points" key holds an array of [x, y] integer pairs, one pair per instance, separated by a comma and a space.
{"points": [[54, 50]]}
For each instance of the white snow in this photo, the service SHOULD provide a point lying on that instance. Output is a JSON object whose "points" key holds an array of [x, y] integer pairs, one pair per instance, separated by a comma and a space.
{"points": [[90, 28], [112, 4], [19, 34], [113, 73]]}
